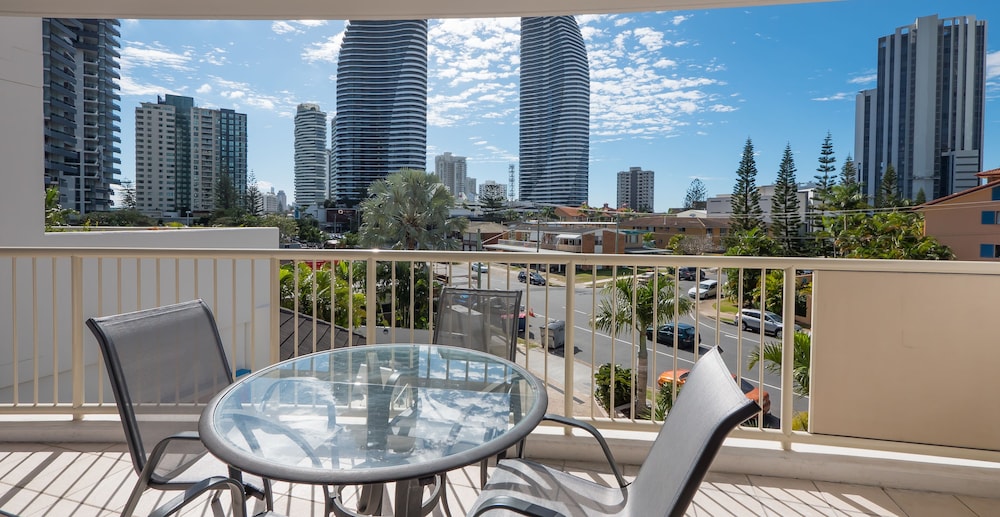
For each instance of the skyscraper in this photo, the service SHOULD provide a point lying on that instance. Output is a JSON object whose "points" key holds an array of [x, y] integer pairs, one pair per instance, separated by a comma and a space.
{"points": [[80, 83], [925, 117], [381, 122], [635, 189], [451, 169], [184, 153], [555, 111], [311, 174]]}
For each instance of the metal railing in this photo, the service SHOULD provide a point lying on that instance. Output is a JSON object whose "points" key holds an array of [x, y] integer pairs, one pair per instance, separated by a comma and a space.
{"points": [[51, 365]]}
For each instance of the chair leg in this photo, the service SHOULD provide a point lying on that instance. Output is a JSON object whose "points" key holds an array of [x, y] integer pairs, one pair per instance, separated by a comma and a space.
{"points": [[483, 465], [444, 495], [133, 498], [217, 504]]}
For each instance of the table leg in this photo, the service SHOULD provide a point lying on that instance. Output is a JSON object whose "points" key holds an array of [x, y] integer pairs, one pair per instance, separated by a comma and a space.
{"points": [[370, 499], [409, 498]]}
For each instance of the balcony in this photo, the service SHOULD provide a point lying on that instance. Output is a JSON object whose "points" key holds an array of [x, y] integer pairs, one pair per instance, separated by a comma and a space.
{"points": [[880, 414]]}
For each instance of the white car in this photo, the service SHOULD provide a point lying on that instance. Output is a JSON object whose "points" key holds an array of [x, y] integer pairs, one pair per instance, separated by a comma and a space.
{"points": [[749, 319], [704, 289], [480, 267]]}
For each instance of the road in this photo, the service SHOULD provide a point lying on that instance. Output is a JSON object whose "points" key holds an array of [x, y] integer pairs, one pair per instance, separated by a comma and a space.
{"points": [[598, 347]]}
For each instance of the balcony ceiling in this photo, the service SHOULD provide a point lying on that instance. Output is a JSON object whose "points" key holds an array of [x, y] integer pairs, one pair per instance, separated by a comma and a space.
{"points": [[349, 9]]}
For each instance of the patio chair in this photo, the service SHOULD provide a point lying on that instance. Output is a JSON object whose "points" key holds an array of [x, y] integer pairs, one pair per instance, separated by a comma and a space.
{"points": [[164, 365], [480, 319], [710, 406]]}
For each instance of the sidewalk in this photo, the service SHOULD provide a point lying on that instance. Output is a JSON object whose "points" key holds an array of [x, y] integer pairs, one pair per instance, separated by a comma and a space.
{"points": [[582, 380]]}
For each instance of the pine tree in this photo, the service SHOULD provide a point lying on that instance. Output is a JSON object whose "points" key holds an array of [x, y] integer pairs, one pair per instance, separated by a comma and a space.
{"points": [[825, 179], [848, 173], [888, 190], [785, 219], [921, 198], [695, 197], [746, 198]]}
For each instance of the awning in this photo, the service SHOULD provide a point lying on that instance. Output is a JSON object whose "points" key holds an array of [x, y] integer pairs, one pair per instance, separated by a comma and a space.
{"points": [[569, 236]]}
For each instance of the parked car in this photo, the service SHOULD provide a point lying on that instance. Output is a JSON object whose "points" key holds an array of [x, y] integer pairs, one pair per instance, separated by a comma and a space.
{"points": [[704, 289], [480, 267], [665, 335], [749, 319], [536, 278], [761, 397], [688, 273]]}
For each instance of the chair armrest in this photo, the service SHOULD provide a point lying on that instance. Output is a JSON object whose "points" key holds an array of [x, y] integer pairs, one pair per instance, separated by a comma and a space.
{"points": [[506, 502], [572, 422], [213, 483]]}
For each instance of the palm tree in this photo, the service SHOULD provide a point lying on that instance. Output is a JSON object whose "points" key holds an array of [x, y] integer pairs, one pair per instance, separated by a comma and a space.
{"points": [[409, 210], [629, 304], [770, 356], [314, 285]]}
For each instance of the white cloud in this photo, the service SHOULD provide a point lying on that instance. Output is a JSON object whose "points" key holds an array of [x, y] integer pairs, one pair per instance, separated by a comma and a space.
{"points": [[283, 27], [993, 64], [840, 96], [679, 19], [623, 21], [154, 55], [869, 78], [204, 89], [649, 38], [324, 51]]}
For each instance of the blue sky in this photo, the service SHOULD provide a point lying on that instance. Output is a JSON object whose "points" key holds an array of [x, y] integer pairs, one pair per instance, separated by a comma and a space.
{"points": [[675, 92]]}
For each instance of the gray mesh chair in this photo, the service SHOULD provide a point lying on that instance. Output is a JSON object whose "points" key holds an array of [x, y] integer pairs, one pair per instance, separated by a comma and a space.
{"points": [[479, 319], [164, 365], [710, 406]]}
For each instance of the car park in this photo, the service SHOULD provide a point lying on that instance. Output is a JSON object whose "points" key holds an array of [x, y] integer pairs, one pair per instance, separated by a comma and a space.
{"points": [[750, 319], [704, 289], [665, 335], [536, 278]]}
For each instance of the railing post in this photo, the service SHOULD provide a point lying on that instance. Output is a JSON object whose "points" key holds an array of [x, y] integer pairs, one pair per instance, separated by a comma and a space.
{"points": [[569, 358], [274, 327], [371, 301], [787, 355], [76, 282]]}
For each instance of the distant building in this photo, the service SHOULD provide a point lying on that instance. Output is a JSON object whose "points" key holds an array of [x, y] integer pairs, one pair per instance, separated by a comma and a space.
{"points": [[554, 129], [270, 202], [470, 188], [182, 153], [80, 93], [492, 190], [282, 201], [925, 117], [968, 222], [452, 172], [721, 205], [381, 122], [635, 189], [311, 156]]}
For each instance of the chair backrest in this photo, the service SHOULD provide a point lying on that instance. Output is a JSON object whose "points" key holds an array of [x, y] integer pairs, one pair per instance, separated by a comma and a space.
{"points": [[479, 319], [710, 406], [164, 365]]}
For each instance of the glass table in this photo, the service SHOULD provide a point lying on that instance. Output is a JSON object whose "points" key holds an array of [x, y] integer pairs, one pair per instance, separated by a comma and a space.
{"points": [[372, 414]]}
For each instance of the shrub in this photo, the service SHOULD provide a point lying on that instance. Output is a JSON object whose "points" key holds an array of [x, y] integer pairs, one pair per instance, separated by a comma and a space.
{"points": [[623, 386], [665, 400], [800, 422]]}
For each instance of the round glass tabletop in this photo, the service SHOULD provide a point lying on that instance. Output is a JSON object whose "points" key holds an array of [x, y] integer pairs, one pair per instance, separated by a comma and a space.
{"points": [[373, 414]]}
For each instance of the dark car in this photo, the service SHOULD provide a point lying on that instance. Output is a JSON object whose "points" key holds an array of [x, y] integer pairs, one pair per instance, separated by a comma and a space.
{"points": [[688, 273], [536, 278], [665, 335]]}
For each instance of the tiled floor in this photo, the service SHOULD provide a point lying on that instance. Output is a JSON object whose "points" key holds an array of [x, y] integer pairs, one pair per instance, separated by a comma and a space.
{"points": [[95, 479]]}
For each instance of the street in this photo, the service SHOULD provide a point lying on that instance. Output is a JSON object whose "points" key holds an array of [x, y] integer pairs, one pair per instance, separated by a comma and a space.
{"points": [[597, 348]]}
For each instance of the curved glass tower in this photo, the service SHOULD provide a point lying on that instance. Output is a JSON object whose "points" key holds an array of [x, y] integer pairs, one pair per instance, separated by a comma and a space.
{"points": [[555, 111], [310, 155], [381, 122]]}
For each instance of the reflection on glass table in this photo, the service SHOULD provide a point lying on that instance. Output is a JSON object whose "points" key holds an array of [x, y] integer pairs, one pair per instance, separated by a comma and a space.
{"points": [[374, 414]]}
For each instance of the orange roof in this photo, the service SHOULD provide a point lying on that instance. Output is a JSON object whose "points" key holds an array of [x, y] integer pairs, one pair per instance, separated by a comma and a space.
{"points": [[994, 176], [992, 173]]}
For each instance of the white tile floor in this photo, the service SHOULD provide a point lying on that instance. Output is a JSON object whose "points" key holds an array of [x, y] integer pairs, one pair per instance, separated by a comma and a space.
{"points": [[83, 480]]}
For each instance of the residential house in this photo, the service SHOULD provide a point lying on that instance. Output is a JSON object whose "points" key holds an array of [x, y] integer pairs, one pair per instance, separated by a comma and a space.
{"points": [[968, 222]]}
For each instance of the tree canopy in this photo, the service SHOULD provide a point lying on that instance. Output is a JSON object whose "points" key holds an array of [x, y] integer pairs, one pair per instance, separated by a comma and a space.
{"points": [[745, 201], [695, 197], [410, 210], [785, 219]]}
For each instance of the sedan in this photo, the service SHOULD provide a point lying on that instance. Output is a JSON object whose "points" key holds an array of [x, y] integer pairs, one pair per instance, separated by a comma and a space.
{"points": [[704, 289], [536, 278], [480, 267], [665, 335]]}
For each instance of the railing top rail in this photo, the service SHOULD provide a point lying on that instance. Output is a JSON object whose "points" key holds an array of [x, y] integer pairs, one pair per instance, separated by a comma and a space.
{"points": [[580, 259]]}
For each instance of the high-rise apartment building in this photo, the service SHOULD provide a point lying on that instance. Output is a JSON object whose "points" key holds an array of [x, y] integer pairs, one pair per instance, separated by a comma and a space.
{"points": [[491, 190], [452, 172], [555, 112], [381, 122], [311, 156], [184, 153], [80, 92], [925, 117], [635, 189], [282, 201]]}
